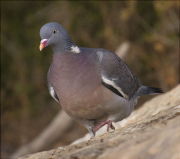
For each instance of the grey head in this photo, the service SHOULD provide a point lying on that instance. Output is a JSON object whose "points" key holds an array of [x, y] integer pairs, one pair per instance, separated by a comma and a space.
{"points": [[55, 35]]}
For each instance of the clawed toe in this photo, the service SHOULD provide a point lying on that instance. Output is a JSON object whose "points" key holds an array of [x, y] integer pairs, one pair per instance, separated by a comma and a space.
{"points": [[110, 125]]}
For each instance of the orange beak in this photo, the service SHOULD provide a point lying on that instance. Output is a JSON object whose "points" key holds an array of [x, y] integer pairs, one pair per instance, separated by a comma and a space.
{"points": [[42, 44]]}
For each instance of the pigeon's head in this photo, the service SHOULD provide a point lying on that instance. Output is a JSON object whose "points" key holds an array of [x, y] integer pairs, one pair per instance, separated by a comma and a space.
{"points": [[53, 34]]}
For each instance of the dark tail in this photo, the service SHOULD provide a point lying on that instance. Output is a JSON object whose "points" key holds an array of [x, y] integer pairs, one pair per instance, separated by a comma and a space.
{"points": [[148, 91]]}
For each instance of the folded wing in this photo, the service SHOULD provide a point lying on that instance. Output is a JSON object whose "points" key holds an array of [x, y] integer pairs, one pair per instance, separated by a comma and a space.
{"points": [[116, 75]]}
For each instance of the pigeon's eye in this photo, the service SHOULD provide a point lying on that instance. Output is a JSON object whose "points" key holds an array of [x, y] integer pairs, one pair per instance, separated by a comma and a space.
{"points": [[54, 31]]}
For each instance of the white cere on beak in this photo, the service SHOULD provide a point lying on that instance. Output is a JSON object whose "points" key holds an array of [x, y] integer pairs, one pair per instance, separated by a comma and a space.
{"points": [[75, 49], [43, 40]]}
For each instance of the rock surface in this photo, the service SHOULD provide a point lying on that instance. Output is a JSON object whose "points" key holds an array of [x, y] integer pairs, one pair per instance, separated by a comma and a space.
{"points": [[152, 131]]}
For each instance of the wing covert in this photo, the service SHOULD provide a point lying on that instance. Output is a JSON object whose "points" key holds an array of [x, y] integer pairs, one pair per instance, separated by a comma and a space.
{"points": [[116, 74]]}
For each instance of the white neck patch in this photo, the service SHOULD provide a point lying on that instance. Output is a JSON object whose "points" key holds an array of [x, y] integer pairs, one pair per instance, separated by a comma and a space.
{"points": [[75, 49]]}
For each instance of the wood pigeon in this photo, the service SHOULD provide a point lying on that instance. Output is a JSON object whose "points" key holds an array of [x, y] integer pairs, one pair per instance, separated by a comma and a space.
{"points": [[94, 86]]}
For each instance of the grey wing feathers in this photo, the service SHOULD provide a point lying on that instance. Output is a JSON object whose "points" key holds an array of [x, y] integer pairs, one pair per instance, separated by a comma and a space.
{"points": [[51, 89], [53, 93], [116, 73]]}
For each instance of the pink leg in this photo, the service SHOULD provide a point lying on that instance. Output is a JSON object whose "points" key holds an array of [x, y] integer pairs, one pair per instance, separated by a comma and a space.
{"points": [[109, 122], [110, 125], [100, 125]]}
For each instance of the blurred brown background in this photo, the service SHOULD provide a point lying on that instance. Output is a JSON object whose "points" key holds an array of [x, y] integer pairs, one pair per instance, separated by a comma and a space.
{"points": [[151, 28]]}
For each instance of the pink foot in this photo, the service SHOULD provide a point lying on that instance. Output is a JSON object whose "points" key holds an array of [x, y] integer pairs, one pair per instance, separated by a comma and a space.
{"points": [[109, 122], [110, 125]]}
